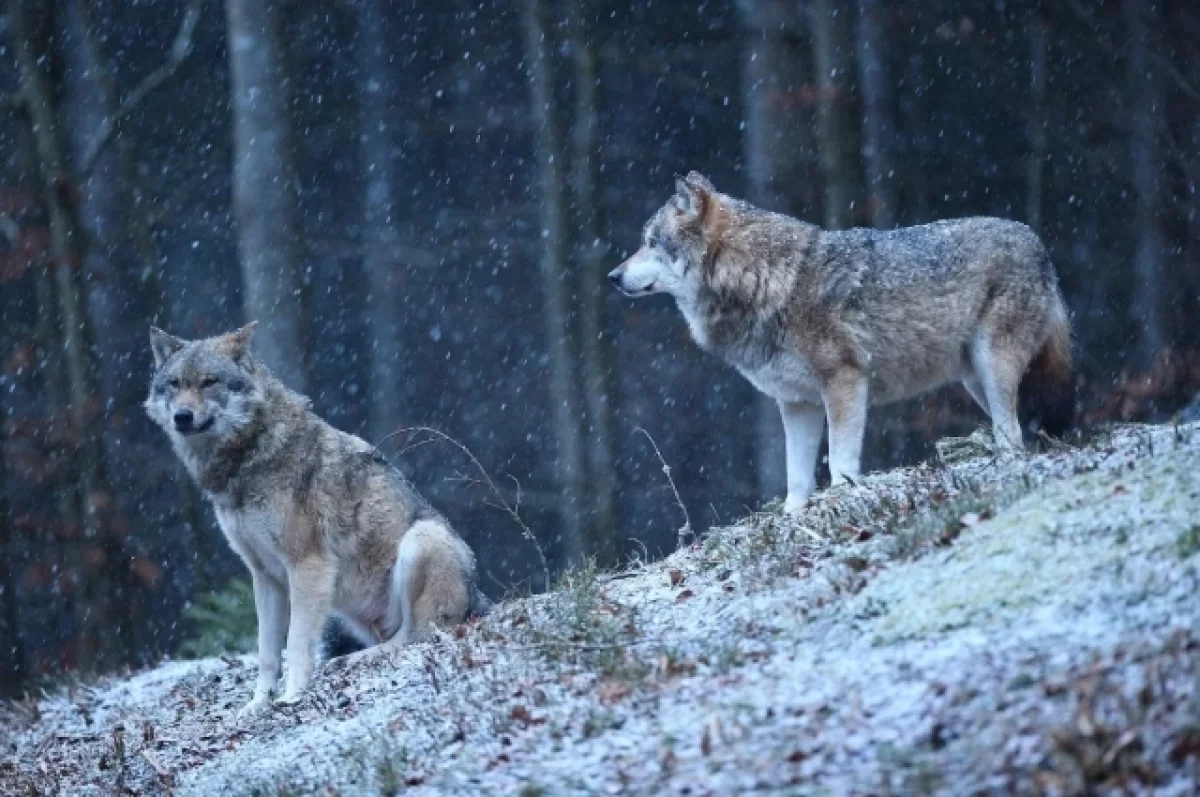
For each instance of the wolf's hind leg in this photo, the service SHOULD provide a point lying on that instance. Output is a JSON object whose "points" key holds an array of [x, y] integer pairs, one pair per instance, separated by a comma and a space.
{"points": [[271, 607], [803, 425], [845, 396], [999, 373], [429, 584], [975, 388]]}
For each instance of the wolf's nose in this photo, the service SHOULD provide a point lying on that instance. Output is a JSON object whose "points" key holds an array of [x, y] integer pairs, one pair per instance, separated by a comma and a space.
{"points": [[183, 420], [614, 277]]}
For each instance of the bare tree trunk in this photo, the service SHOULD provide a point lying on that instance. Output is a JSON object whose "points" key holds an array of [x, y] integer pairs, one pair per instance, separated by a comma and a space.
{"points": [[780, 164], [1037, 122], [99, 647], [878, 130], [12, 654], [1190, 282], [122, 299], [1146, 117], [564, 395], [598, 358], [264, 186], [833, 50], [381, 238]]}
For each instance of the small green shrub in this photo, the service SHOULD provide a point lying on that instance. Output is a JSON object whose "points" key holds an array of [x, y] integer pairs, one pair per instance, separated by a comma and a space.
{"points": [[221, 622]]}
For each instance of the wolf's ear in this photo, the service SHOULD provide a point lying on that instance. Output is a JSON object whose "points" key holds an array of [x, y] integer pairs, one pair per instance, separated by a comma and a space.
{"points": [[694, 197], [164, 345], [237, 343]]}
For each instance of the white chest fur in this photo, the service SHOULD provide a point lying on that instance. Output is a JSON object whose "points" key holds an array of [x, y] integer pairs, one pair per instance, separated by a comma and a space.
{"points": [[255, 534], [787, 377]]}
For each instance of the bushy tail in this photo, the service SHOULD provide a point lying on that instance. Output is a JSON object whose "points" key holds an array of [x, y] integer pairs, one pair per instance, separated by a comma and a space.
{"points": [[1047, 392], [480, 605]]}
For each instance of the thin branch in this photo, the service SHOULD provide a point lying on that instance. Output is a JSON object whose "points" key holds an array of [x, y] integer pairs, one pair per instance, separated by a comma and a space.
{"points": [[180, 49], [164, 775], [413, 431], [1180, 80], [686, 533]]}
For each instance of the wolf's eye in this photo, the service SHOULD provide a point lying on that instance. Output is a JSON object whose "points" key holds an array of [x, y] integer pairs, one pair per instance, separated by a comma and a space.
{"points": [[235, 385], [173, 382], [652, 243], [208, 381]]}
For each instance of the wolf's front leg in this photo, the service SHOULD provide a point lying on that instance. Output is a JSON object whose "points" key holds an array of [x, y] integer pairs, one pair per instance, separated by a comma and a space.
{"points": [[310, 590], [845, 396], [802, 428], [271, 606]]}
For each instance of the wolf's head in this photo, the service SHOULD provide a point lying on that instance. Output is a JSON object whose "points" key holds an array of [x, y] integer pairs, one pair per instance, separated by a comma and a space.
{"points": [[675, 243], [204, 390]]}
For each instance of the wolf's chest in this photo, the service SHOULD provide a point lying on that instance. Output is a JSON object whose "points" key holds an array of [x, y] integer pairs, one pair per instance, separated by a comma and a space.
{"points": [[256, 535], [785, 377]]}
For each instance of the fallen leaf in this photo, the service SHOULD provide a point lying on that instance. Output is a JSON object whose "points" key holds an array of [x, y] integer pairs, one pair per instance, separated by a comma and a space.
{"points": [[612, 691], [676, 577], [855, 563], [522, 715], [681, 597]]}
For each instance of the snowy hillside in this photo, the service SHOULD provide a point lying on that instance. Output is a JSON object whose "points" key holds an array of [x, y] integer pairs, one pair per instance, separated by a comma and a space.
{"points": [[992, 624]]}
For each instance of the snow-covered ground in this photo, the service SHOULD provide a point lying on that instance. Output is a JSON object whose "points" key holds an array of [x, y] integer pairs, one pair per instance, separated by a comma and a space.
{"points": [[996, 625]]}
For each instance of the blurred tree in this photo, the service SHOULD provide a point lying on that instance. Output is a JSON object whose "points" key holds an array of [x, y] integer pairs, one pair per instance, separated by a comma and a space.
{"points": [[566, 409], [378, 81], [878, 131], [264, 186], [99, 565], [1146, 120], [837, 123], [1038, 140], [12, 654], [120, 270], [596, 349]]}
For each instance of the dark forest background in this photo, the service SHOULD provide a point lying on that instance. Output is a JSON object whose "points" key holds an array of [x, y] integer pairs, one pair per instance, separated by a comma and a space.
{"points": [[419, 202]]}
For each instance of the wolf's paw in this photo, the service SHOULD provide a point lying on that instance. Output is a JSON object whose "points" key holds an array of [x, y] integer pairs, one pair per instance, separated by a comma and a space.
{"points": [[257, 705], [290, 698], [794, 504]]}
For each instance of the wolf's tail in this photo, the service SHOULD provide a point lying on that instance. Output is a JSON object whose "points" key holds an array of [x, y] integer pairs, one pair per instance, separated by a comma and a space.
{"points": [[1047, 392], [480, 605]]}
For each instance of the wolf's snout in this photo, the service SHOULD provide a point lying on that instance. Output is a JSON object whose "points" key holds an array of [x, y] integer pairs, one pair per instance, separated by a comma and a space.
{"points": [[614, 277], [184, 419]]}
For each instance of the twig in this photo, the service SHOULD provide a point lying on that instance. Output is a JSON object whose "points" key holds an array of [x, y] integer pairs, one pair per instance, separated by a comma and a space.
{"points": [[164, 775], [581, 646], [504, 506], [180, 49], [686, 533]]}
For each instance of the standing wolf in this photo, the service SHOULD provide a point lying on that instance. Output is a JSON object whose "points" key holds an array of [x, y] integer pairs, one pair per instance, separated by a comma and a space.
{"points": [[319, 516], [827, 323]]}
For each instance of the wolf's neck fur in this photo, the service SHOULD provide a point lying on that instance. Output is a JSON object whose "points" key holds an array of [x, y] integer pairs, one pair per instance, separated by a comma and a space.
{"points": [[737, 311], [220, 466]]}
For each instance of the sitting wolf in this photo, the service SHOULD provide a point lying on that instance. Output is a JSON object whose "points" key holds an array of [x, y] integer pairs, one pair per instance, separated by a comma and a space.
{"points": [[827, 323], [319, 516]]}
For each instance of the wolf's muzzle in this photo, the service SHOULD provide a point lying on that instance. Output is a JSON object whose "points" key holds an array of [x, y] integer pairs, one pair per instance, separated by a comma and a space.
{"points": [[185, 422]]}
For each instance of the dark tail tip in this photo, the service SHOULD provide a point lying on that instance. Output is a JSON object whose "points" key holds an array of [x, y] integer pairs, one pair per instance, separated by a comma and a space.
{"points": [[1047, 393], [480, 605]]}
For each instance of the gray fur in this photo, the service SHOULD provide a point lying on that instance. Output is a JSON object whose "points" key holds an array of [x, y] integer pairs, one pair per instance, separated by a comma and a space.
{"points": [[314, 512], [841, 320]]}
